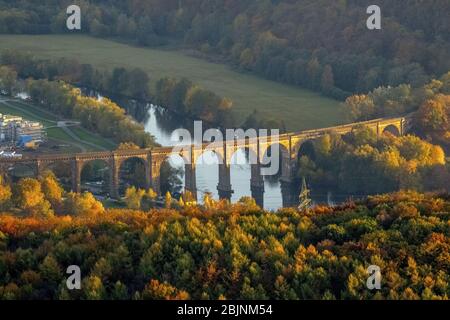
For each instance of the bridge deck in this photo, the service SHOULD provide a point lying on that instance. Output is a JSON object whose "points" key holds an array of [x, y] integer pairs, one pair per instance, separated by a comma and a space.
{"points": [[168, 150]]}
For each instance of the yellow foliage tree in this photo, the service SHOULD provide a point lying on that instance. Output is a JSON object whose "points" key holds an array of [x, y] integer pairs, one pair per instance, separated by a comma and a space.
{"points": [[133, 198], [168, 200], [163, 291], [128, 146], [83, 204], [51, 189], [29, 197], [181, 202]]}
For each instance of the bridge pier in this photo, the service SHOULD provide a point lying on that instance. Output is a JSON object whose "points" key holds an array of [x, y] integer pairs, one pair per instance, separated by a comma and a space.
{"points": [[156, 176], [190, 184], [258, 194], [76, 167], [114, 180], [257, 185], [148, 172], [288, 194], [39, 168], [224, 186]]}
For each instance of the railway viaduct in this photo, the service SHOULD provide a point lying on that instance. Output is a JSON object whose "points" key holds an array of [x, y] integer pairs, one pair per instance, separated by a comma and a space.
{"points": [[289, 146]]}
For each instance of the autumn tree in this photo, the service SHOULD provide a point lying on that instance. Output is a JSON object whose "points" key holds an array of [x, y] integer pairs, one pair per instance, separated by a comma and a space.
{"points": [[360, 107], [432, 117], [29, 197], [133, 197], [8, 80], [52, 190], [156, 290], [148, 199], [168, 200], [83, 204], [127, 146], [5, 194]]}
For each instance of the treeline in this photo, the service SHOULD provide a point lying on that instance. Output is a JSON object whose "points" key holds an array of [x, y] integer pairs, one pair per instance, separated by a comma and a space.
{"points": [[323, 45], [224, 251], [394, 101], [187, 99], [45, 198], [180, 96], [362, 163], [430, 102], [97, 115], [133, 83]]}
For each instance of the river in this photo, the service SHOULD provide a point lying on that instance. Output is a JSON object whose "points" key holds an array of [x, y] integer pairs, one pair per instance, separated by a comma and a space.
{"points": [[160, 123]]}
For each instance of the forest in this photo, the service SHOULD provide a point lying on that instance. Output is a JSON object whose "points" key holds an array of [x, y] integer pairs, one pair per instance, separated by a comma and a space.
{"points": [[220, 250], [178, 249], [363, 163], [430, 104], [323, 45]]}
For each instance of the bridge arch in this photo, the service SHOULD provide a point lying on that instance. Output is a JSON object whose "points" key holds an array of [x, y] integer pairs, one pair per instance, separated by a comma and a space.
{"points": [[62, 171], [392, 129], [208, 164], [172, 174], [132, 171], [273, 180], [306, 148], [243, 163], [275, 160], [96, 176], [22, 170]]}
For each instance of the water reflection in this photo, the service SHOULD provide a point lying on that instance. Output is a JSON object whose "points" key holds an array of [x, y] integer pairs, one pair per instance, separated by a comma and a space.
{"points": [[161, 123], [240, 172], [207, 170]]}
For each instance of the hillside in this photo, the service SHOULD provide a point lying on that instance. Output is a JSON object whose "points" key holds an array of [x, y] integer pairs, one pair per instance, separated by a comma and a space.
{"points": [[323, 45], [298, 108], [231, 251]]}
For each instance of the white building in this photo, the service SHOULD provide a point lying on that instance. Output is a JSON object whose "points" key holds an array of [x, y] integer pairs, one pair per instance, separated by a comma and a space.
{"points": [[12, 128]]}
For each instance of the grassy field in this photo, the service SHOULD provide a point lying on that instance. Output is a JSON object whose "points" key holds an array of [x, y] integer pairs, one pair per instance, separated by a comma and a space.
{"points": [[88, 136], [300, 109], [14, 109], [87, 141]]}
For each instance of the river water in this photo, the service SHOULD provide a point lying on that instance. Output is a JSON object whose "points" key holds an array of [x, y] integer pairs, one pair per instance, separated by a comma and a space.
{"points": [[161, 124]]}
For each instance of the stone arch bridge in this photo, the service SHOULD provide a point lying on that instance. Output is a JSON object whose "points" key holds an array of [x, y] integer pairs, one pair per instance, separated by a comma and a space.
{"points": [[289, 146]]}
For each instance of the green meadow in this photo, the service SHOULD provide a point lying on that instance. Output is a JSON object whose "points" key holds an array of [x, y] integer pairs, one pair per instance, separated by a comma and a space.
{"points": [[299, 108], [79, 138]]}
